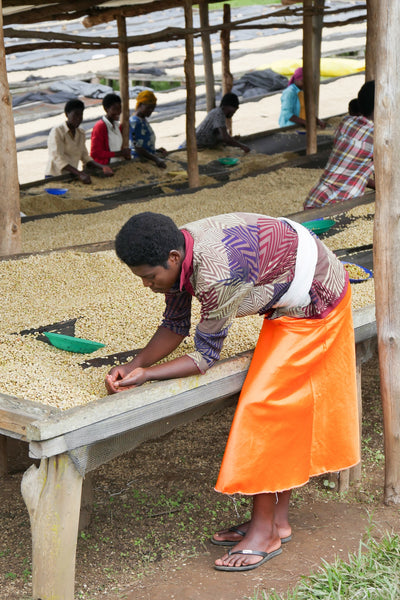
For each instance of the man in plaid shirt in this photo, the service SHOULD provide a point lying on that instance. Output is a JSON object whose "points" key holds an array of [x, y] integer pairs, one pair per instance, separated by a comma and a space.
{"points": [[350, 165]]}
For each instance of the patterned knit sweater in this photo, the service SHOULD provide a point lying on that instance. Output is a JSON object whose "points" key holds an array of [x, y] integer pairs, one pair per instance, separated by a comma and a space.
{"points": [[241, 264]]}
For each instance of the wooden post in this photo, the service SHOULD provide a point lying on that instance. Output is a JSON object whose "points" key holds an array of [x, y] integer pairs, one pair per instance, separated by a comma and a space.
{"points": [[309, 73], [52, 494], [387, 235], [355, 472], [207, 56], [10, 220], [191, 145], [372, 39], [3, 455], [123, 79], [227, 77], [352, 475], [317, 24], [85, 515]]}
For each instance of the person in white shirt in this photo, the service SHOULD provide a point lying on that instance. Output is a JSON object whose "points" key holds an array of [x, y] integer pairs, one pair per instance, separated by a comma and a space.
{"points": [[67, 146]]}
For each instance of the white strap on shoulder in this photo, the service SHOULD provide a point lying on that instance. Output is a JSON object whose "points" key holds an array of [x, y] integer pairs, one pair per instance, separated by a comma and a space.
{"points": [[306, 260]]}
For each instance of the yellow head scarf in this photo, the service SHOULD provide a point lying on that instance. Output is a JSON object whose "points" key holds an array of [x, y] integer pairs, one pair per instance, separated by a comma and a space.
{"points": [[145, 97]]}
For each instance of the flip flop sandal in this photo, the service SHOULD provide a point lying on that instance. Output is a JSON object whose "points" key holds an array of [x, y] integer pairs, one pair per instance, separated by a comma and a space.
{"points": [[285, 540], [228, 542], [265, 556]]}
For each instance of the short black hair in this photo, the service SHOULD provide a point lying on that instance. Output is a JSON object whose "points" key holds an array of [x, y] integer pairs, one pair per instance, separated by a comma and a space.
{"points": [[147, 239], [73, 104], [366, 98], [110, 99], [230, 100], [354, 108]]}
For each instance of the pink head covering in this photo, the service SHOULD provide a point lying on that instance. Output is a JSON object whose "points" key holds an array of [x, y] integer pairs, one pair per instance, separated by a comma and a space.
{"points": [[298, 74]]}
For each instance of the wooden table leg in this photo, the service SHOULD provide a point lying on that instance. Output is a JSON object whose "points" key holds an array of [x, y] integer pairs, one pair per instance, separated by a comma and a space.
{"points": [[355, 472], [353, 475], [3, 455], [52, 494]]}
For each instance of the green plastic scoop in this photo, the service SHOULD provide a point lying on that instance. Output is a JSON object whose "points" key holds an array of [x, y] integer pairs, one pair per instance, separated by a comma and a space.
{"points": [[228, 162], [72, 344], [319, 225]]}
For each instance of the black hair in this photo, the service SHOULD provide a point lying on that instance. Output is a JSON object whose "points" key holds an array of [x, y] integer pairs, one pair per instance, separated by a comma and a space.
{"points": [[110, 99], [354, 108], [366, 98], [230, 100], [147, 239], [74, 104]]}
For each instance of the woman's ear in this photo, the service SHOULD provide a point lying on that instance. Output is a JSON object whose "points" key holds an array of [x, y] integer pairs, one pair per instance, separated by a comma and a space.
{"points": [[176, 256]]}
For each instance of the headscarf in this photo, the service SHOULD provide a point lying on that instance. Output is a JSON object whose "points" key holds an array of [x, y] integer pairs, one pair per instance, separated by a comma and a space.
{"points": [[146, 97], [298, 74]]}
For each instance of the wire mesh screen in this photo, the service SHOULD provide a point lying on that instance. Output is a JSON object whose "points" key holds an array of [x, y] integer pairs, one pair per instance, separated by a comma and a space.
{"points": [[89, 457]]}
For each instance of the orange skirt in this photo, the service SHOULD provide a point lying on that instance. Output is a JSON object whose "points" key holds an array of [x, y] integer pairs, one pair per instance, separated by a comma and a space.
{"points": [[297, 414]]}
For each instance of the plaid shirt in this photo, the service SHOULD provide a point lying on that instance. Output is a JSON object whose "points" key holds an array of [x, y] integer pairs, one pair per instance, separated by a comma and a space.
{"points": [[350, 164]]}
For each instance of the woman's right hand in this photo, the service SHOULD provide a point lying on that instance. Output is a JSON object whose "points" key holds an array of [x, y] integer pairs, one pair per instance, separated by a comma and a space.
{"points": [[135, 378], [84, 177], [115, 375], [160, 163]]}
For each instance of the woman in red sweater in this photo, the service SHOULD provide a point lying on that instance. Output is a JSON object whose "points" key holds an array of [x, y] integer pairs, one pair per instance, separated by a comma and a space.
{"points": [[106, 140]]}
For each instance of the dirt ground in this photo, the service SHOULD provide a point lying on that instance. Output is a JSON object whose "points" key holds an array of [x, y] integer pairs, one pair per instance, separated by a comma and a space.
{"points": [[154, 510]]}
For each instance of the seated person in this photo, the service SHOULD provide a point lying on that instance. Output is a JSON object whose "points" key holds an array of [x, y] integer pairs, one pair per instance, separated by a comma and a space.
{"points": [[106, 140], [354, 109], [351, 163], [67, 146], [142, 139], [292, 103], [212, 130]]}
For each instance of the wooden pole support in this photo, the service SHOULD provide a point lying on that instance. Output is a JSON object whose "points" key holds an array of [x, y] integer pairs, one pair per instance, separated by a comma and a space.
{"points": [[372, 39], [191, 144], [207, 56], [309, 69], [52, 494], [227, 77], [123, 80], [317, 24], [10, 220], [387, 236]]}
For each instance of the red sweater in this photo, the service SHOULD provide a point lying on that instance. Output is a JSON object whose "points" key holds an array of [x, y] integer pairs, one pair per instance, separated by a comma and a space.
{"points": [[99, 146]]}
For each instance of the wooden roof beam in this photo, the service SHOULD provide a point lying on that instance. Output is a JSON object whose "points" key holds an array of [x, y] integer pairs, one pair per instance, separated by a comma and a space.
{"points": [[59, 40], [60, 11], [99, 16], [91, 17]]}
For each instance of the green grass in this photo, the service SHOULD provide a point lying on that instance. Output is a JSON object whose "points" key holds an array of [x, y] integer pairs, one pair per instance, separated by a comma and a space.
{"points": [[371, 573]]}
